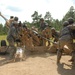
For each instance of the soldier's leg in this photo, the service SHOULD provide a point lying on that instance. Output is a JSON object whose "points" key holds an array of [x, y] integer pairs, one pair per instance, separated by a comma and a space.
{"points": [[72, 51], [73, 57], [59, 54], [12, 49], [60, 50], [12, 52]]}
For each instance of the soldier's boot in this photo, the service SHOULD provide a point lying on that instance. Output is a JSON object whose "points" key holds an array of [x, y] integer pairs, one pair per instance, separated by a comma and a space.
{"points": [[59, 54]]}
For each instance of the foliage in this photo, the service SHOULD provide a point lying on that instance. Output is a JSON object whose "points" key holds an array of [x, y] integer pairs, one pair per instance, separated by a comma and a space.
{"points": [[36, 17], [70, 13], [48, 16], [3, 30]]}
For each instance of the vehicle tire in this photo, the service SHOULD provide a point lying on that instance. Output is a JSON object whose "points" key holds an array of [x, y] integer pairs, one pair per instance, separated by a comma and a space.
{"points": [[3, 43]]}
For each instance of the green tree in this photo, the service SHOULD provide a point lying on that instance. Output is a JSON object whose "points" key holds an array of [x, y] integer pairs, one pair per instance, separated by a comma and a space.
{"points": [[57, 24], [5, 30], [1, 29], [70, 13], [48, 16], [36, 16]]}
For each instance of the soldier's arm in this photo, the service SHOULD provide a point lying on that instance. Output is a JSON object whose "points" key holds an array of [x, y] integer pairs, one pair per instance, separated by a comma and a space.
{"points": [[7, 24]]}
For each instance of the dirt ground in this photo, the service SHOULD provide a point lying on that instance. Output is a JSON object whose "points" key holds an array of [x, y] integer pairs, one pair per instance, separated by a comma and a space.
{"points": [[38, 64]]}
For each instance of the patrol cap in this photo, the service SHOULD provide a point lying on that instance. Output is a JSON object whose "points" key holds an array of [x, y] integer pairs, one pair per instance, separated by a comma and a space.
{"points": [[70, 20]]}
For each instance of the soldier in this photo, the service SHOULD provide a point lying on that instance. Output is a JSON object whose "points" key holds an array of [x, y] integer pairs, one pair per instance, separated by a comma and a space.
{"points": [[8, 22], [55, 34], [43, 24], [72, 32], [65, 38], [11, 37]]}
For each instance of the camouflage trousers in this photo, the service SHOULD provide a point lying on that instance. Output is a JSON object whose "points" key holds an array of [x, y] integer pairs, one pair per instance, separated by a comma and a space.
{"points": [[69, 43], [12, 49], [62, 43]]}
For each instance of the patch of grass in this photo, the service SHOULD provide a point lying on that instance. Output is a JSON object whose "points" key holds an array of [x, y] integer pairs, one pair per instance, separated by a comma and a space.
{"points": [[3, 37]]}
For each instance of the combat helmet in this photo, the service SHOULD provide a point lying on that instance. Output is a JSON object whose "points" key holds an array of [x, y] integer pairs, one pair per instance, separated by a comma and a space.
{"points": [[15, 18], [65, 23], [70, 20]]}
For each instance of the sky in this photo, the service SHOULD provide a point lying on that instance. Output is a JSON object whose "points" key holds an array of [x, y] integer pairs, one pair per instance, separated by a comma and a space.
{"points": [[25, 8]]}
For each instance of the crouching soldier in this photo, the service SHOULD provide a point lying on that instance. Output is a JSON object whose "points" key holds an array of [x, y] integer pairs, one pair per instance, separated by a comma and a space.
{"points": [[66, 39]]}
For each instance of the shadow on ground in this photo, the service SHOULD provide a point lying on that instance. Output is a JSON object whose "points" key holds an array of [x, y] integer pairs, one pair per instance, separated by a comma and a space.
{"points": [[66, 71]]}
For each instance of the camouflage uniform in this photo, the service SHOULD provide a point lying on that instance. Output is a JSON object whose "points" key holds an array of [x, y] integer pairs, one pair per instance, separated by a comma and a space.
{"points": [[43, 24], [55, 34], [65, 39], [11, 37]]}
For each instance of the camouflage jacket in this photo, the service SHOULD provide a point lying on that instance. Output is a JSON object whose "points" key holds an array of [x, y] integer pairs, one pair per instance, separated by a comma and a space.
{"points": [[66, 32], [12, 33], [43, 25]]}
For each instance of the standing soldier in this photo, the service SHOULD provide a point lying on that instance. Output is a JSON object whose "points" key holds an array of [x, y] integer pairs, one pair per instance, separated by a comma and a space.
{"points": [[11, 37], [46, 31], [66, 39], [43, 24], [12, 24]]}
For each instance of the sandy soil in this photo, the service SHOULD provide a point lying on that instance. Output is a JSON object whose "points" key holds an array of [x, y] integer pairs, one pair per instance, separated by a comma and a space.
{"points": [[38, 64]]}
